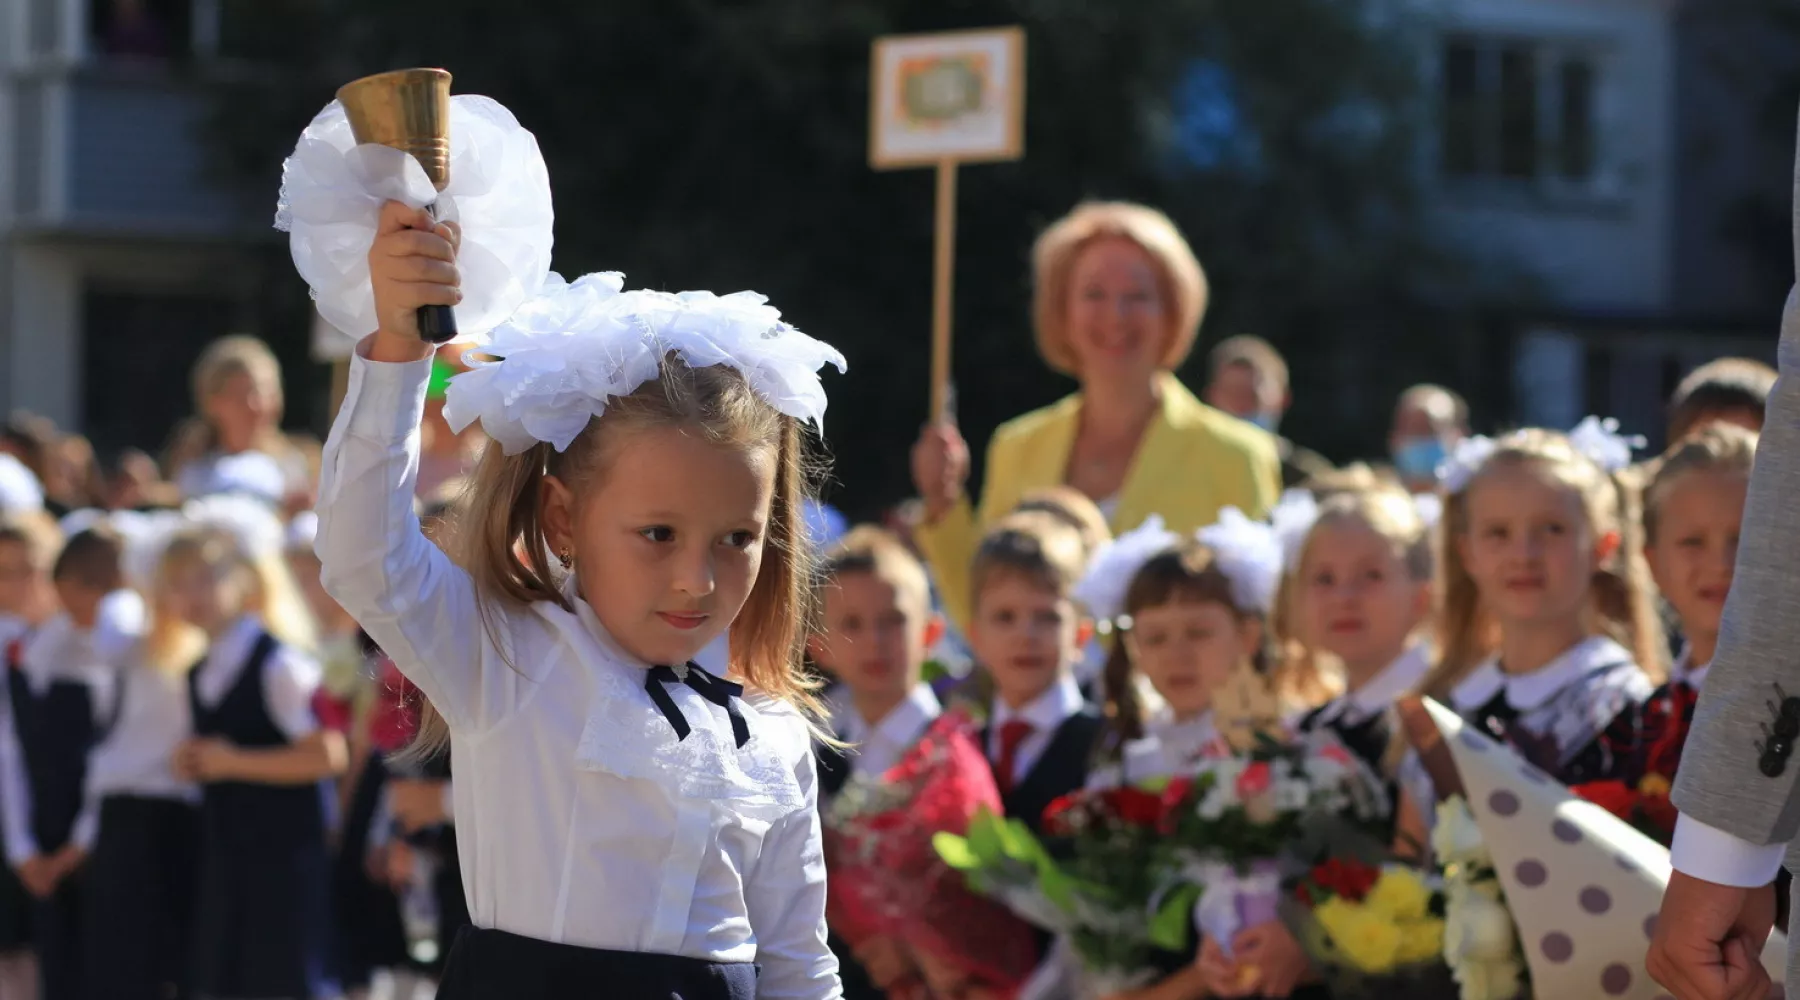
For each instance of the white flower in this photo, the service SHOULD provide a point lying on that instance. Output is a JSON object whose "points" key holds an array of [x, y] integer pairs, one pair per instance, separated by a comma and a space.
{"points": [[1477, 925], [553, 366], [1291, 795], [1456, 838], [1490, 980], [1116, 563]]}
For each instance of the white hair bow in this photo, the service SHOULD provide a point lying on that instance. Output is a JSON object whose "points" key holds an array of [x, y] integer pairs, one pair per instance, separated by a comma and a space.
{"points": [[553, 366], [1249, 553], [1115, 564]]}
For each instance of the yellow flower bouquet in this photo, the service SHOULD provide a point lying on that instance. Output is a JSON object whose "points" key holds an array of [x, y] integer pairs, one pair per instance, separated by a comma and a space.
{"points": [[1372, 930]]}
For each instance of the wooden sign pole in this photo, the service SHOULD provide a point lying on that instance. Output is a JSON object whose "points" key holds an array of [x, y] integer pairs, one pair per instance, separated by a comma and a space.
{"points": [[944, 100], [943, 284]]}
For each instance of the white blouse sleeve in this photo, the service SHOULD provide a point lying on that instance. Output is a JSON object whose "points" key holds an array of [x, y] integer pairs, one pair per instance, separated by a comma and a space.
{"points": [[290, 679], [15, 793], [785, 895], [414, 602]]}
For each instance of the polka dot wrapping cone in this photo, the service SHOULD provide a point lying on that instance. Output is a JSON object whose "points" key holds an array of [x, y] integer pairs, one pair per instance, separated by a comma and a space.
{"points": [[1583, 885]]}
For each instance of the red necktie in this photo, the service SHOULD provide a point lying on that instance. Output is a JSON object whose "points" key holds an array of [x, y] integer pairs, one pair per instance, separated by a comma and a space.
{"points": [[1012, 735]]}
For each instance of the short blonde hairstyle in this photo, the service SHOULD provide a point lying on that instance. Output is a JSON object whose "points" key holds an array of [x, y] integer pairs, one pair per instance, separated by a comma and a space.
{"points": [[1069, 504], [1036, 545], [1178, 275], [872, 550]]}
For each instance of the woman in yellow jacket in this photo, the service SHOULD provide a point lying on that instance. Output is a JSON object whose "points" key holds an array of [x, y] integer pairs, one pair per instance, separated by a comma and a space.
{"points": [[1117, 305]]}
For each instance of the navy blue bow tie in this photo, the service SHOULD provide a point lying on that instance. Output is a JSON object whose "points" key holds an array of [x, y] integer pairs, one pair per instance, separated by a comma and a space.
{"points": [[722, 693]]}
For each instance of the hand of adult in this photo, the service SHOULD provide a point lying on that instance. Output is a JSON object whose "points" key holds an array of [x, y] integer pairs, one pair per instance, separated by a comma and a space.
{"points": [[1709, 940], [940, 467]]}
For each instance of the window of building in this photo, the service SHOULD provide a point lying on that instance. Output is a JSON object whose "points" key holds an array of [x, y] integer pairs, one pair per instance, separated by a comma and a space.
{"points": [[1518, 110]]}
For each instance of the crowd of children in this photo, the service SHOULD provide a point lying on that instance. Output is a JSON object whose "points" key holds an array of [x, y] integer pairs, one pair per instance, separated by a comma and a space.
{"points": [[203, 791], [1524, 592], [233, 685]]}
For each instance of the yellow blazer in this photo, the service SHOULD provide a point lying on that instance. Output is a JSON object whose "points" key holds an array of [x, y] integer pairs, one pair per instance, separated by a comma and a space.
{"points": [[1193, 461]]}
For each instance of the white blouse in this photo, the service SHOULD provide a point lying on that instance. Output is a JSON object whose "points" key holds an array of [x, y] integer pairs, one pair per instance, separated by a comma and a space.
{"points": [[59, 651], [581, 818]]}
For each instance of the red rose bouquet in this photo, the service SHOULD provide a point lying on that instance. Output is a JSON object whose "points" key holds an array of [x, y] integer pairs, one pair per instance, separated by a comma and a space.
{"points": [[1098, 888], [887, 880]]}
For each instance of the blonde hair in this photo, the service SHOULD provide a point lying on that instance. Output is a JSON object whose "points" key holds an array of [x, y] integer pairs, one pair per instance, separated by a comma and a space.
{"points": [[1725, 448], [1178, 275], [1381, 506], [1357, 477], [497, 532], [251, 584], [223, 360], [878, 552], [1073, 507], [1036, 545], [37, 532], [1620, 589]]}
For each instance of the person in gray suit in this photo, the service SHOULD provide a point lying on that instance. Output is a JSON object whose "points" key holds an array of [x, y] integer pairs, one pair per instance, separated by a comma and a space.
{"points": [[1737, 789]]}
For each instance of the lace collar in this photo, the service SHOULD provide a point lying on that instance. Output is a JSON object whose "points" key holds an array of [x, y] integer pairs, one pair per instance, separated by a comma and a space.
{"points": [[628, 736]]}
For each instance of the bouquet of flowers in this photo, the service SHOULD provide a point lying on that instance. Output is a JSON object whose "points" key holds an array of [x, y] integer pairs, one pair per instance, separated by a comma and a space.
{"points": [[1369, 925], [887, 880], [1480, 942], [1096, 889], [1643, 801], [1244, 824], [1645, 806]]}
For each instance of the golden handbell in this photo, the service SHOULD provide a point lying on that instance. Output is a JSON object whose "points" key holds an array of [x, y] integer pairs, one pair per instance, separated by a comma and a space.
{"points": [[408, 110]]}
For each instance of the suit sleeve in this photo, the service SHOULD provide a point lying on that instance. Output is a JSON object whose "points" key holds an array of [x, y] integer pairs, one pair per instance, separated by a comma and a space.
{"points": [[1732, 780]]}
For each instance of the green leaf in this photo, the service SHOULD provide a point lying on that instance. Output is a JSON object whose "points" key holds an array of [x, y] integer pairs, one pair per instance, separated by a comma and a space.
{"points": [[956, 852], [1169, 928]]}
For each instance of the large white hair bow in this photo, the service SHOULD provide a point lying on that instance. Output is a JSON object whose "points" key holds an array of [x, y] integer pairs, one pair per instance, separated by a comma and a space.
{"points": [[257, 528], [551, 368], [1596, 437], [1293, 519], [20, 491], [332, 191], [1249, 554], [1115, 564], [1599, 439]]}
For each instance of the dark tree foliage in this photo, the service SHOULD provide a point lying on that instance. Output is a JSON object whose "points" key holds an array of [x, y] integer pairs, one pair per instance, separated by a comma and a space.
{"points": [[722, 144]]}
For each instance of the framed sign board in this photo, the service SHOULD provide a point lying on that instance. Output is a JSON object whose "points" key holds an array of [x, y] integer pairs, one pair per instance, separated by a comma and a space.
{"points": [[957, 97]]}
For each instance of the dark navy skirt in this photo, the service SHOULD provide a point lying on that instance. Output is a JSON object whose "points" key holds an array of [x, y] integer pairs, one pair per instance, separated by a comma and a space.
{"points": [[495, 965], [139, 904]]}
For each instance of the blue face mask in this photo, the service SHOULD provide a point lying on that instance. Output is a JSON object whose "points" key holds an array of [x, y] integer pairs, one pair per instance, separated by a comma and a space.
{"points": [[1267, 421], [1417, 459]]}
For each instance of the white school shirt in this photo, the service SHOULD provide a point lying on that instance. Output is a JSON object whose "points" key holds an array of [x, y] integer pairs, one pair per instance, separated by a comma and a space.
{"points": [[1046, 713], [880, 746], [59, 651], [290, 677], [580, 817], [151, 717], [1379, 692]]}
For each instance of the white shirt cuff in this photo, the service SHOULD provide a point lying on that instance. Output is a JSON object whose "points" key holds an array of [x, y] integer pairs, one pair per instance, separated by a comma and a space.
{"points": [[1710, 854], [386, 399]]}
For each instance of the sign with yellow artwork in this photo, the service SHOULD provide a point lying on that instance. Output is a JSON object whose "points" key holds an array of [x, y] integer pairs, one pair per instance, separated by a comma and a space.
{"points": [[955, 96], [940, 100]]}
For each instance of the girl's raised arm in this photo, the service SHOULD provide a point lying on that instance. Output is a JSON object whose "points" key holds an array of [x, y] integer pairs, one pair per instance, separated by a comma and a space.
{"points": [[414, 602]]}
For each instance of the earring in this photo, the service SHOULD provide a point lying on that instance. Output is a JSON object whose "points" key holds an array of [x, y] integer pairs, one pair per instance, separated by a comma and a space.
{"points": [[566, 556]]}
